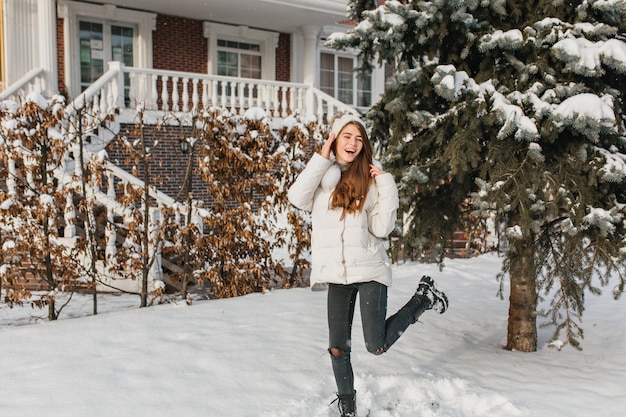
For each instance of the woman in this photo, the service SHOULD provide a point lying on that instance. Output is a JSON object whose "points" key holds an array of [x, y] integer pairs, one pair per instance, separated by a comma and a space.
{"points": [[353, 205]]}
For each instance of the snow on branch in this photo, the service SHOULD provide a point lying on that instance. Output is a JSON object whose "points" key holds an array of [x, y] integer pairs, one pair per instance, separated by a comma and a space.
{"points": [[614, 169], [515, 122], [605, 220], [450, 83], [586, 113], [584, 57], [511, 39]]}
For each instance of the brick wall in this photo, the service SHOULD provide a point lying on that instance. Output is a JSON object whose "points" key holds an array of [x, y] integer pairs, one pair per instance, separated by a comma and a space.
{"points": [[283, 58], [60, 56], [168, 165], [179, 45], [169, 162]]}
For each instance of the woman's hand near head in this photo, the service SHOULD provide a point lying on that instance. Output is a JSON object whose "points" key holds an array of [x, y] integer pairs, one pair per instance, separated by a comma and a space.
{"points": [[375, 171], [326, 148]]}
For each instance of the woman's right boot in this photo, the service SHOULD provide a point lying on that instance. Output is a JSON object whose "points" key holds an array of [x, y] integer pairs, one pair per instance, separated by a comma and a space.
{"points": [[347, 404]]}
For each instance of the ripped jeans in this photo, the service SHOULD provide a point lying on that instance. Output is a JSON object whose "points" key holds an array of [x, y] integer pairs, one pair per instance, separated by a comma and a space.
{"points": [[379, 333]]}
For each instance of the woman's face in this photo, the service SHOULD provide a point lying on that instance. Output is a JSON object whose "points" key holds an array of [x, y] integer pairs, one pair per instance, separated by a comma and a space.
{"points": [[348, 144]]}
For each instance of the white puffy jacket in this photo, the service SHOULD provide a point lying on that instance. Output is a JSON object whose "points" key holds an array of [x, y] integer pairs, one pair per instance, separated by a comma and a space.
{"points": [[349, 250]]}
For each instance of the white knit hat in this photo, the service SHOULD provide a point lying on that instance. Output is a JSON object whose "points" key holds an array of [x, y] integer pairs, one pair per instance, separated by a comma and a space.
{"points": [[339, 123]]}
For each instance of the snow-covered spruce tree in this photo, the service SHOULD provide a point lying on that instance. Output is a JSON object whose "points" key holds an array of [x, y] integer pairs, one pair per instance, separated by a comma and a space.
{"points": [[520, 106]]}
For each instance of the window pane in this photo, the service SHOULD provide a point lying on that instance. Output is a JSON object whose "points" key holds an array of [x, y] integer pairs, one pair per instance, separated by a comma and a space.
{"points": [[239, 59], [122, 44], [327, 73], [227, 63], [339, 79], [251, 66], [91, 52], [122, 50], [345, 80], [364, 91]]}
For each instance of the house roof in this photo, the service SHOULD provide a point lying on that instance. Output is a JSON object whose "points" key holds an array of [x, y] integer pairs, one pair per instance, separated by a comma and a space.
{"points": [[278, 15]]}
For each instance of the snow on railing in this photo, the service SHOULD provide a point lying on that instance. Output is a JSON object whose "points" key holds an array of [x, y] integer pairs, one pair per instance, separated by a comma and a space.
{"points": [[103, 95], [327, 106], [128, 87], [31, 81]]}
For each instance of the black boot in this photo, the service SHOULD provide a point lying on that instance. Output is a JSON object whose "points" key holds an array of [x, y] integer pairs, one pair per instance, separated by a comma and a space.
{"points": [[437, 298], [347, 404], [417, 305]]}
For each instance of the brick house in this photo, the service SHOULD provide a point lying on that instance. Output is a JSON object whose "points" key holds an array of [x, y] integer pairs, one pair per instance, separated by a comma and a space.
{"points": [[73, 42], [180, 56]]}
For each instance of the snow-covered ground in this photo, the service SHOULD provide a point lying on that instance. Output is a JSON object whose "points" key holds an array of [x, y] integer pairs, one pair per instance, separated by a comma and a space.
{"points": [[264, 355]]}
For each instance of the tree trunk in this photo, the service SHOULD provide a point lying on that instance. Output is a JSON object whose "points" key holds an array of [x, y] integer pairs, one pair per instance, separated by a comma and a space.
{"points": [[146, 217], [522, 324]]}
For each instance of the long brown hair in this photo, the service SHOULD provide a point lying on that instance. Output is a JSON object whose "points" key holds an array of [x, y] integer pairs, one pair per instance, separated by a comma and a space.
{"points": [[351, 191]]}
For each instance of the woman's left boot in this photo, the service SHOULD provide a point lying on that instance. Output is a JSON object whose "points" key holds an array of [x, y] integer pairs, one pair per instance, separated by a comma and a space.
{"points": [[347, 404]]}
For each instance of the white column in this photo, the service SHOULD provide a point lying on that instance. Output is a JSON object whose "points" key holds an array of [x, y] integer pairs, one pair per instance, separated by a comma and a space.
{"points": [[18, 43], [310, 34], [46, 11]]}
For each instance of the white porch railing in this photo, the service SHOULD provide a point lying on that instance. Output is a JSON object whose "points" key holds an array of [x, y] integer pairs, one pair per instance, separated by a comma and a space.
{"points": [[129, 87], [32, 81], [182, 91]]}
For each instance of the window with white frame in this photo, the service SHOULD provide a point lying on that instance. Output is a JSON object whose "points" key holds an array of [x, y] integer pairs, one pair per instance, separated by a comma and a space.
{"points": [[98, 34], [239, 59], [240, 51], [101, 42], [339, 79]]}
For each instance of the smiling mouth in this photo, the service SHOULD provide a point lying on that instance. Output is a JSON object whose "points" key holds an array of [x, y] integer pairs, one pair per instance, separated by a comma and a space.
{"points": [[350, 151]]}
